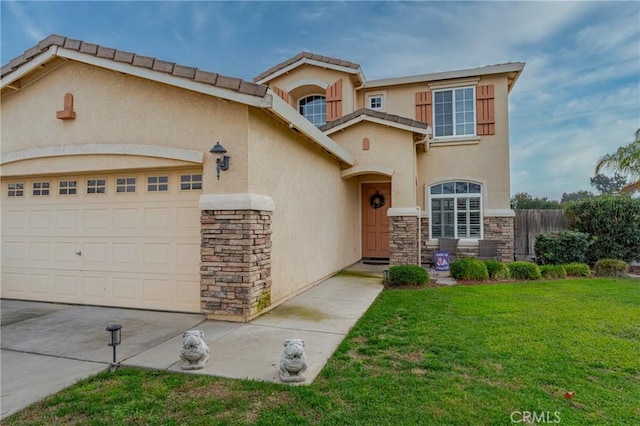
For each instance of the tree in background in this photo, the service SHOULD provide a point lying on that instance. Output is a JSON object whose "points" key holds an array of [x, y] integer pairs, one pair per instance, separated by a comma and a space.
{"points": [[608, 185], [625, 160], [613, 221], [568, 197], [522, 200]]}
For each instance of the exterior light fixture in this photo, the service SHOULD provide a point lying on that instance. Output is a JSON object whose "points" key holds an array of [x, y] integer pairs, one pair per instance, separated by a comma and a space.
{"points": [[222, 160], [115, 341]]}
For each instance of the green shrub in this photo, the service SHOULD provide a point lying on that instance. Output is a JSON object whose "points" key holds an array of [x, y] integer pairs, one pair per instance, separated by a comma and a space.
{"points": [[613, 221], [555, 248], [497, 270], [611, 268], [524, 271], [407, 275], [577, 269], [469, 268], [553, 271]]}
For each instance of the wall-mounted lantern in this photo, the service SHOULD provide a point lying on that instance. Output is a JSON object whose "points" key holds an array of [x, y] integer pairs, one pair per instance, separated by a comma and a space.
{"points": [[222, 160], [115, 338]]}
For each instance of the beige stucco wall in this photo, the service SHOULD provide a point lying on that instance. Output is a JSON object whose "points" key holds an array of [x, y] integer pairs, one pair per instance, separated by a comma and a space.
{"points": [[485, 160], [316, 217], [114, 108], [310, 73], [388, 147]]}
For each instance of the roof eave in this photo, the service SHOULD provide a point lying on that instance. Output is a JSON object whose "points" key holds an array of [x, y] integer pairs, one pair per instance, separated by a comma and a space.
{"points": [[367, 118], [516, 67]]}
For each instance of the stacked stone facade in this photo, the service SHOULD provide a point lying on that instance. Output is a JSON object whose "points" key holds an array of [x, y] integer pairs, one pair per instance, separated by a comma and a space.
{"points": [[235, 268], [501, 228], [495, 228], [403, 240]]}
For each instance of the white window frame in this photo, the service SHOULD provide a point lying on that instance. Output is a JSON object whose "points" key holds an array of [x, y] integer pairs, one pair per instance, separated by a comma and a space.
{"points": [[324, 112], [15, 189], [454, 121], [96, 187], [126, 184], [41, 188], [158, 185], [191, 184], [65, 190], [455, 196], [377, 95]]}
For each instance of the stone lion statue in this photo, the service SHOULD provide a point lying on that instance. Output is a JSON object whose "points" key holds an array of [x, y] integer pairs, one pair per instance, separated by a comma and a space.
{"points": [[293, 362], [195, 352]]}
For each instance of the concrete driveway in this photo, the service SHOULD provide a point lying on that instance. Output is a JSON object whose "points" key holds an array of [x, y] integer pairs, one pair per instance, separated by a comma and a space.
{"points": [[47, 347]]}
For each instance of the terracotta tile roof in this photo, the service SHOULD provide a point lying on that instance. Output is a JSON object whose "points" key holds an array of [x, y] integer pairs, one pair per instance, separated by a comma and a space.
{"points": [[148, 62], [307, 55], [377, 114]]}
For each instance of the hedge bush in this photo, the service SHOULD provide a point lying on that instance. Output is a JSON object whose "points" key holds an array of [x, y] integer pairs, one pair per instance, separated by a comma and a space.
{"points": [[469, 268], [577, 269], [407, 275], [555, 248], [553, 271], [497, 270], [524, 271], [613, 221], [611, 268]]}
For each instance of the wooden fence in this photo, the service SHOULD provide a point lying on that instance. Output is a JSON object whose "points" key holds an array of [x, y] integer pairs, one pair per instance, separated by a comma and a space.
{"points": [[529, 223]]}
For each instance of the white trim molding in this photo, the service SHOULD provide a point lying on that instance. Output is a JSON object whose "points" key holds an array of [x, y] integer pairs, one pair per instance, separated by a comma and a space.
{"points": [[499, 213], [236, 202], [307, 82], [366, 169], [189, 155], [403, 211]]}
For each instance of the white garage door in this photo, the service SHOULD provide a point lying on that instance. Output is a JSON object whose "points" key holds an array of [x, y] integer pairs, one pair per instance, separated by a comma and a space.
{"points": [[126, 239]]}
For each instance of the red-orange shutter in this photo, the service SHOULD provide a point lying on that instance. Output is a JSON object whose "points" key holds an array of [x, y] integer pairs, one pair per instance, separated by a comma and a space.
{"points": [[282, 93], [485, 114], [424, 111], [334, 101]]}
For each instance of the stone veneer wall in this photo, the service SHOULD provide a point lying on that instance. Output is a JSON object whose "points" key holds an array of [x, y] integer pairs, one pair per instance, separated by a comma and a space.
{"points": [[403, 240], [235, 268], [495, 228], [501, 228]]}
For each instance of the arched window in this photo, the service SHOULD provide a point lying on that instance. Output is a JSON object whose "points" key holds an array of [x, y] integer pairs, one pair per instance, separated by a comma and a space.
{"points": [[456, 210], [313, 108]]}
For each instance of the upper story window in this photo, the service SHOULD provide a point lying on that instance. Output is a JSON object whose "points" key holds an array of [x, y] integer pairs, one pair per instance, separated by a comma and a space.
{"points": [[456, 210], [375, 102], [313, 108], [454, 112]]}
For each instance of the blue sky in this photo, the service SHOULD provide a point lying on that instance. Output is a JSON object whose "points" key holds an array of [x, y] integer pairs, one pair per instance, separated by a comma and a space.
{"points": [[577, 99]]}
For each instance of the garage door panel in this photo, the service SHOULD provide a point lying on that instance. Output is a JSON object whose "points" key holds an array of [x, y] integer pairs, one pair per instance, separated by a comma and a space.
{"points": [[41, 254], [68, 286], [139, 249], [41, 284], [14, 253], [14, 284], [68, 222], [14, 222]]}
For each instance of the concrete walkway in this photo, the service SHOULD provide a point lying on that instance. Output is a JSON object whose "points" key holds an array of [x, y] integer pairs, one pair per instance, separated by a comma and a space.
{"points": [[47, 347]]}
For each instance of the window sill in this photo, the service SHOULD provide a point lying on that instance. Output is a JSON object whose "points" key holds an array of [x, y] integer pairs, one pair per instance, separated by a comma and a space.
{"points": [[470, 140]]}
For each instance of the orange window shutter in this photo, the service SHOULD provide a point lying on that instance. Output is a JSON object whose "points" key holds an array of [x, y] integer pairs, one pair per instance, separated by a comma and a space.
{"points": [[334, 101], [282, 93], [424, 105], [485, 110]]}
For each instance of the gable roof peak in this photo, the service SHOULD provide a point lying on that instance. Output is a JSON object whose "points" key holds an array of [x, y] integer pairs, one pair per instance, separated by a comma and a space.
{"points": [[308, 57]]}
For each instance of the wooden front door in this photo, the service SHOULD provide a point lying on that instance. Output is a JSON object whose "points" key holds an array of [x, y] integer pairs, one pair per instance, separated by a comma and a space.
{"points": [[376, 200]]}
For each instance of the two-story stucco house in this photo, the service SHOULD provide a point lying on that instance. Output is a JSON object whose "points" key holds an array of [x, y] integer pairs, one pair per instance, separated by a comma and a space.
{"points": [[112, 193]]}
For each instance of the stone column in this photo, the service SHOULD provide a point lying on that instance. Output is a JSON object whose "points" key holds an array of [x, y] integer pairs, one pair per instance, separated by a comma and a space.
{"points": [[500, 227], [403, 236], [235, 255]]}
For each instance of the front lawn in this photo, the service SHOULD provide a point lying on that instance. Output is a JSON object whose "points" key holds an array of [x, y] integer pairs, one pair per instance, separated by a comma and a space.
{"points": [[458, 355]]}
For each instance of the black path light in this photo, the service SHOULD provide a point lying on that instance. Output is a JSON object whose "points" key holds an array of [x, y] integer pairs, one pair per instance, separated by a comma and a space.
{"points": [[222, 160], [115, 341]]}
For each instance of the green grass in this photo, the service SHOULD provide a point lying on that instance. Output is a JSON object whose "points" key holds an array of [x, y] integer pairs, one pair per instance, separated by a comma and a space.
{"points": [[456, 355]]}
